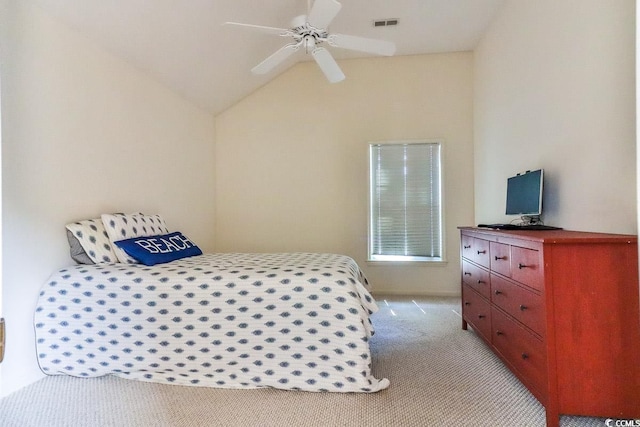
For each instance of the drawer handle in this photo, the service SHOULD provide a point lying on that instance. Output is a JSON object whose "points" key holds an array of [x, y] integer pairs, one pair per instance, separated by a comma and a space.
{"points": [[498, 258], [482, 252], [467, 303], [523, 307], [499, 333], [481, 316], [521, 266], [497, 292], [481, 282], [525, 356], [467, 247], [466, 273]]}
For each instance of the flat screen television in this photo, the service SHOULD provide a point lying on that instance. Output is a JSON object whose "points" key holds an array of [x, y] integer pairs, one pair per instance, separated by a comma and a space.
{"points": [[524, 194]]}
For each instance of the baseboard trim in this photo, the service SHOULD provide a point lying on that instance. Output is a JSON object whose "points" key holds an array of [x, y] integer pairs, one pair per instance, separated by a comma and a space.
{"points": [[381, 295]]}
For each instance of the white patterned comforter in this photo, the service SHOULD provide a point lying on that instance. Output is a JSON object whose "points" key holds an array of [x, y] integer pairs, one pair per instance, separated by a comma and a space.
{"points": [[290, 321]]}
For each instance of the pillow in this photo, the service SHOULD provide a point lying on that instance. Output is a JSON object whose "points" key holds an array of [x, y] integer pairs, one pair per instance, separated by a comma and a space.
{"points": [[154, 250], [126, 226], [76, 250], [93, 240]]}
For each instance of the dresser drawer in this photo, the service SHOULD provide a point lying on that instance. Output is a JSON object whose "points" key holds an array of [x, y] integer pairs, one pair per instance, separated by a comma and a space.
{"points": [[500, 258], [476, 277], [476, 250], [526, 267], [525, 305], [523, 350], [477, 311]]}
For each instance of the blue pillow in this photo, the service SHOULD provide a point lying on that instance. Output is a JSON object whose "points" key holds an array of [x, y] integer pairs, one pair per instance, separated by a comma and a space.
{"points": [[152, 250]]}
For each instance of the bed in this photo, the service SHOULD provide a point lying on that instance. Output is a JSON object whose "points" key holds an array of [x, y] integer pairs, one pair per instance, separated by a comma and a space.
{"points": [[297, 321]]}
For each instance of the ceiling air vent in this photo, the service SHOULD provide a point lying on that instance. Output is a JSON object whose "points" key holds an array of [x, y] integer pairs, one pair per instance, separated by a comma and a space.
{"points": [[385, 22]]}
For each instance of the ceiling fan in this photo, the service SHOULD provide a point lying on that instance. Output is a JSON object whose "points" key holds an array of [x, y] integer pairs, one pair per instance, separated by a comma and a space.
{"points": [[310, 32]]}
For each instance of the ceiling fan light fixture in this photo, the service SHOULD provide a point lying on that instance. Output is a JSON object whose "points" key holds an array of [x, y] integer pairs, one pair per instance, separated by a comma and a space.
{"points": [[309, 43]]}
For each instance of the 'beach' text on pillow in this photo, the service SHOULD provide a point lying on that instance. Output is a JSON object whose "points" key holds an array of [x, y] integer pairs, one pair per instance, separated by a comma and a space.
{"points": [[159, 249]]}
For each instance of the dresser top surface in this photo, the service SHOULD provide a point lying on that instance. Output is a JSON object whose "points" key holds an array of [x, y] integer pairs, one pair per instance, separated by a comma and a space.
{"points": [[550, 236]]}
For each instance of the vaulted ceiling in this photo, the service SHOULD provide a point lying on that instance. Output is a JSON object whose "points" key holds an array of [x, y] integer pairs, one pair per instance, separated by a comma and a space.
{"points": [[185, 45]]}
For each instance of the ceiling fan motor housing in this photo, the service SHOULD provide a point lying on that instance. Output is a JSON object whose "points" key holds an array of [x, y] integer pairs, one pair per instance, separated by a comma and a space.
{"points": [[303, 31]]}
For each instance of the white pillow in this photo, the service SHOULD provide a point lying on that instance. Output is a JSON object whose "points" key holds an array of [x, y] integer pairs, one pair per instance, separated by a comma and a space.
{"points": [[126, 226], [93, 238]]}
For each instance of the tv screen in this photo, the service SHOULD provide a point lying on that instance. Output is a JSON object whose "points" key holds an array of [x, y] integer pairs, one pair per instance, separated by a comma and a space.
{"points": [[524, 193]]}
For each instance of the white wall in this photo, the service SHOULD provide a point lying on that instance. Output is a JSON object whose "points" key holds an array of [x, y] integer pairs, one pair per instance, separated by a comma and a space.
{"points": [[555, 88], [292, 160], [84, 133]]}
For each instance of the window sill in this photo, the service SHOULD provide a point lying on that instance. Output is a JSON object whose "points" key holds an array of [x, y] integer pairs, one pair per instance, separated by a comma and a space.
{"points": [[401, 260]]}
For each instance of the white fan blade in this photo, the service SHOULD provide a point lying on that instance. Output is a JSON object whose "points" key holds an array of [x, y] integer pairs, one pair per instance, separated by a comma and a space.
{"points": [[270, 30], [322, 13], [274, 60], [379, 47], [328, 65]]}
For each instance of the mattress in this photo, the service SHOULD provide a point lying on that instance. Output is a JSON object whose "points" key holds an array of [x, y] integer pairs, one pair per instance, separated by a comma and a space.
{"points": [[295, 321]]}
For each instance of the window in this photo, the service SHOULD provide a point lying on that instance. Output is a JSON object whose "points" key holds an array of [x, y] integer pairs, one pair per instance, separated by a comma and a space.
{"points": [[405, 209]]}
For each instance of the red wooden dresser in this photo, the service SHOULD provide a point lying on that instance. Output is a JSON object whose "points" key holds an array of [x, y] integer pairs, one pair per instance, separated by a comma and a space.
{"points": [[561, 309]]}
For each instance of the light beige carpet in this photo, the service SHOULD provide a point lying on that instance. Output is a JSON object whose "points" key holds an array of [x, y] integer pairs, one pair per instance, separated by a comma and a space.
{"points": [[440, 376]]}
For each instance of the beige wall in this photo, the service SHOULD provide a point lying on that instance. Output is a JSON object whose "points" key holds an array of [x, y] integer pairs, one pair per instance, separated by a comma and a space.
{"points": [[84, 133], [292, 167], [555, 89]]}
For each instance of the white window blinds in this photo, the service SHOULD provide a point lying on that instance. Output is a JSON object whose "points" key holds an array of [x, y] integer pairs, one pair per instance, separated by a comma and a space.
{"points": [[405, 205]]}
